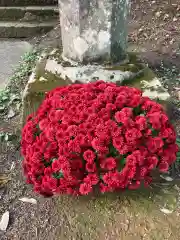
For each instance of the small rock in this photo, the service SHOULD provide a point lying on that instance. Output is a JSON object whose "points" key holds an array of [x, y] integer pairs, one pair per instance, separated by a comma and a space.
{"points": [[140, 30], [11, 113], [158, 14], [124, 227], [172, 41], [166, 211], [166, 16], [4, 221], [28, 200]]}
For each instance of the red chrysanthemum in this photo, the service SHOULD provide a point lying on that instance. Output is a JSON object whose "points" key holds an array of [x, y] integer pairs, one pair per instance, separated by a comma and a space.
{"points": [[85, 188], [95, 136], [89, 156], [108, 163], [91, 179]]}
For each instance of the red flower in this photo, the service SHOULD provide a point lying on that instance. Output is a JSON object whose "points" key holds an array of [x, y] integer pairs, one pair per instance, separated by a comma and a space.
{"points": [[108, 163], [85, 188], [96, 134], [135, 185], [104, 188], [121, 100], [141, 122], [49, 183], [152, 162], [124, 149], [143, 172], [147, 132], [60, 135], [58, 115], [66, 169], [155, 119], [100, 145], [74, 146], [48, 171], [153, 144], [91, 179], [163, 166], [43, 124], [77, 164], [108, 178], [118, 142], [89, 156], [91, 167], [135, 101], [119, 116], [132, 134], [131, 160], [56, 166]]}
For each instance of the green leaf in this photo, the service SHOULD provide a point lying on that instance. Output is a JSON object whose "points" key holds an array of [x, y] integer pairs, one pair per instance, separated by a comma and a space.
{"points": [[178, 141], [155, 132], [137, 110], [123, 161], [112, 151], [58, 175]]}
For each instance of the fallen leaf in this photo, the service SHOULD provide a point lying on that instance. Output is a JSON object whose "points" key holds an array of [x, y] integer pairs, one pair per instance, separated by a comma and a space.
{"points": [[28, 200], [4, 221], [167, 178], [166, 211], [12, 166], [4, 178]]}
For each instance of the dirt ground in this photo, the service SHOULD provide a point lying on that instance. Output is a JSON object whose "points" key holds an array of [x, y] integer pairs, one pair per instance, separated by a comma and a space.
{"points": [[151, 214]]}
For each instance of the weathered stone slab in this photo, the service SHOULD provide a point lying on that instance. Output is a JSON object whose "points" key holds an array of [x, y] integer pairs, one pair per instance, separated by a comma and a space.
{"points": [[87, 73]]}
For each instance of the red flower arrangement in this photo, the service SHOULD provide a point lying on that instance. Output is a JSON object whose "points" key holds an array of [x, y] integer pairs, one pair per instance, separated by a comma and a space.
{"points": [[96, 135]]}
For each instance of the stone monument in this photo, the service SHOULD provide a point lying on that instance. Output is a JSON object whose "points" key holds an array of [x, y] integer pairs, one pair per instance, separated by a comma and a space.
{"points": [[94, 46], [94, 30], [94, 33]]}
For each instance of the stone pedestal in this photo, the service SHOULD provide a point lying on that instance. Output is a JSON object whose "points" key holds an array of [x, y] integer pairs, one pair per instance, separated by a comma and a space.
{"points": [[94, 29], [51, 71]]}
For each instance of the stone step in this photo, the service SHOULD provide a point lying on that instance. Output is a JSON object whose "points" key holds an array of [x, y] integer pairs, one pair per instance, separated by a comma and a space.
{"points": [[29, 13], [28, 2], [24, 29]]}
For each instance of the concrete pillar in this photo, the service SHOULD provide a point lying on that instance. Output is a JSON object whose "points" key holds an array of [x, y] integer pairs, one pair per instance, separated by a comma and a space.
{"points": [[94, 29]]}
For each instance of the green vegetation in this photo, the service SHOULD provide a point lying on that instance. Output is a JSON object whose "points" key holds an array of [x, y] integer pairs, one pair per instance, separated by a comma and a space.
{"points": [[12, 94]]}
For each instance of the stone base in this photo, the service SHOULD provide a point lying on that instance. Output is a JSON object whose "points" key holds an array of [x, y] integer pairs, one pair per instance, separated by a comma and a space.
{"points": [[52, 71]]}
